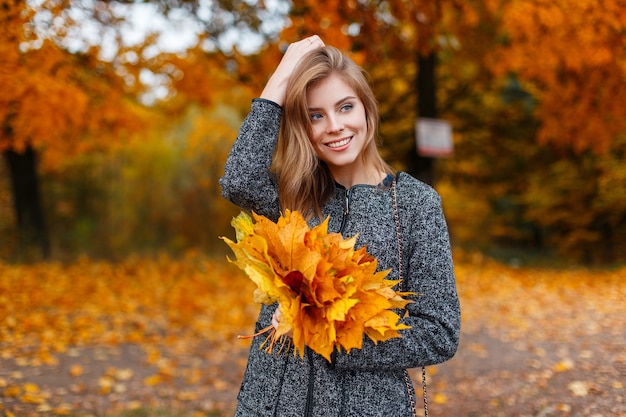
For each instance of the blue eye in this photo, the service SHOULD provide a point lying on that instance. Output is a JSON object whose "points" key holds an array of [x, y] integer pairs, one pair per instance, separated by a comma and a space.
{"points": [[346, 107], [315, 116]]}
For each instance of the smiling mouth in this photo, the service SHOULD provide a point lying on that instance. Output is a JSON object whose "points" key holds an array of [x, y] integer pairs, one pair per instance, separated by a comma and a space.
{"points": [[339, 143]]}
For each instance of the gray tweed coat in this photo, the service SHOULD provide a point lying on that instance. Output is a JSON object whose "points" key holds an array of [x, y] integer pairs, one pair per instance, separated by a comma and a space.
{"points": [[370, 381]]}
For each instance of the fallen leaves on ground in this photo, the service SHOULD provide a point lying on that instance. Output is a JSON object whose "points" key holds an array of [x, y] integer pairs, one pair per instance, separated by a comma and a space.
{"points": [[166, 317], [89, 338], [536, 342]]}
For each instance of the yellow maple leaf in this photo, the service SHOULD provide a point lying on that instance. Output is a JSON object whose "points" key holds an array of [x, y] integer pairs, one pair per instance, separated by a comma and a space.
{"points": [[105, 384], [12, 391], [152, 380], [243, 226], [440, 398], [564, 365], [76, 370], [63, 409], [32, 398], [30, 387]]}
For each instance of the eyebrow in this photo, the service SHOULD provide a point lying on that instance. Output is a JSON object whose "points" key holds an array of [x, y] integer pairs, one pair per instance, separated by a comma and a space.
{"points": [[336, 104]]}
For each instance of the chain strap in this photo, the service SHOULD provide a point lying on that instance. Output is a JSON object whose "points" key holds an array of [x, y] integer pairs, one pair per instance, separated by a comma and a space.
{"points": [[407, 379], [396, 217]]}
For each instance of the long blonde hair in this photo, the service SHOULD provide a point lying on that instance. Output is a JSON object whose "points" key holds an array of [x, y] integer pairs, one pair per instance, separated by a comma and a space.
{"points": [[304, 182]]}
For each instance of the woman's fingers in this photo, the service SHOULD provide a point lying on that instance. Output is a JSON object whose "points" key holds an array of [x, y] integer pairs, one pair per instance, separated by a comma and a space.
{"points": [[276, 319], [275, 88]]}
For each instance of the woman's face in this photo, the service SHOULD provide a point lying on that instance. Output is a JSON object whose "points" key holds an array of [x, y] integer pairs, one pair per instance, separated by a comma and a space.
{"points": [[339, 124]]}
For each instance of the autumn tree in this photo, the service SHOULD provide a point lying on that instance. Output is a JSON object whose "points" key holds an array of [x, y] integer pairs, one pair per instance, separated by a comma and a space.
{"points": [[64, 94], [54, 103], [537, 130], [572, 56]]}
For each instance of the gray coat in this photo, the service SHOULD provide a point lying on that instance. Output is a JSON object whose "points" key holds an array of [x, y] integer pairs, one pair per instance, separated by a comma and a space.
{"points": [[370, 381]]}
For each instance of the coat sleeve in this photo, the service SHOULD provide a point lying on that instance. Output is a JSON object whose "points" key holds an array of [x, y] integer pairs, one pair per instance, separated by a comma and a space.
{"points": [[247, 181], [434, 316]]}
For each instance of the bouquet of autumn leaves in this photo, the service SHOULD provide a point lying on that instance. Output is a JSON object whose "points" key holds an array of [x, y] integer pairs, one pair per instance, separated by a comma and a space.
{"points": [[328, 293]]}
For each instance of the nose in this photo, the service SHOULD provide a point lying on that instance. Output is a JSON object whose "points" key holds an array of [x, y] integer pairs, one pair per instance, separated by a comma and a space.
{"points": [[334, 124]]}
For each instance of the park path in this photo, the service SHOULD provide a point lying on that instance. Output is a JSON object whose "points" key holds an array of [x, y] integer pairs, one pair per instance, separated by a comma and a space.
{"points": [[487, 377]]}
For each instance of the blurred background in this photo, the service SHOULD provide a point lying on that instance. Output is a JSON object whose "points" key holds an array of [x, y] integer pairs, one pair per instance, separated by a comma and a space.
{"points": [[117, 118]]}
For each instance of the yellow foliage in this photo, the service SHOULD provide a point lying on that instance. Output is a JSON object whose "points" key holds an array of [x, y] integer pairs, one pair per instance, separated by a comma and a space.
{"points": [[536, 300], [12, 391], [440, 398], [328, 293], [46, 308], [152, 380], [63, 410]]}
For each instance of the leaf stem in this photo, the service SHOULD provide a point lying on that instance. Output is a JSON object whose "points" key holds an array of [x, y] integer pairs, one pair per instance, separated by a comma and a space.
{"points": [[265, 330]]}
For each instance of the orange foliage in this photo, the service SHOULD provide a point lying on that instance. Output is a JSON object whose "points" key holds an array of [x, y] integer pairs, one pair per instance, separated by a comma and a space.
{"points": [[573, 54], [209, 80], [371, 31], [330, 295], [54, 100]]}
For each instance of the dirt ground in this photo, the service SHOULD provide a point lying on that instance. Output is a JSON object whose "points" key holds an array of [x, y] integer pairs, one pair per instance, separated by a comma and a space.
{"points": [[487, 377], [491, 377]]}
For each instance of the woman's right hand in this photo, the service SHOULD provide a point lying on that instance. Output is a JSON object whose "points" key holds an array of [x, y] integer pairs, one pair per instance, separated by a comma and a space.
{"points": [[276, 86], [276, 322]]}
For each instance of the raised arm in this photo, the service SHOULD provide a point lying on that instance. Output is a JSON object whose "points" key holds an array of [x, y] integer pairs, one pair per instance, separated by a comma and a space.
{"points": [[247, 180]]}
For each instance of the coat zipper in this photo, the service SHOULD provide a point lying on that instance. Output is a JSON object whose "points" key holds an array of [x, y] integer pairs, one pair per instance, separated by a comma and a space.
{"points": [[308, 412]]}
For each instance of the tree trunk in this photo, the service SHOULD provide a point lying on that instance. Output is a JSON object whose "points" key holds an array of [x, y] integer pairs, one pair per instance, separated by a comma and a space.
{"points": [[423, 167], [31, 226]]}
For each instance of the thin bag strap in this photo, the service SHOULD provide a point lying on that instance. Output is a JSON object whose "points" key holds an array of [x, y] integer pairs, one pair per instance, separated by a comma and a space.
{"points": [[396, 217]]}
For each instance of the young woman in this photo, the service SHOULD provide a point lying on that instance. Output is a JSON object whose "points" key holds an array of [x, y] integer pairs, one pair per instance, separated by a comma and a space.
{"points": [[309, 144]]}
